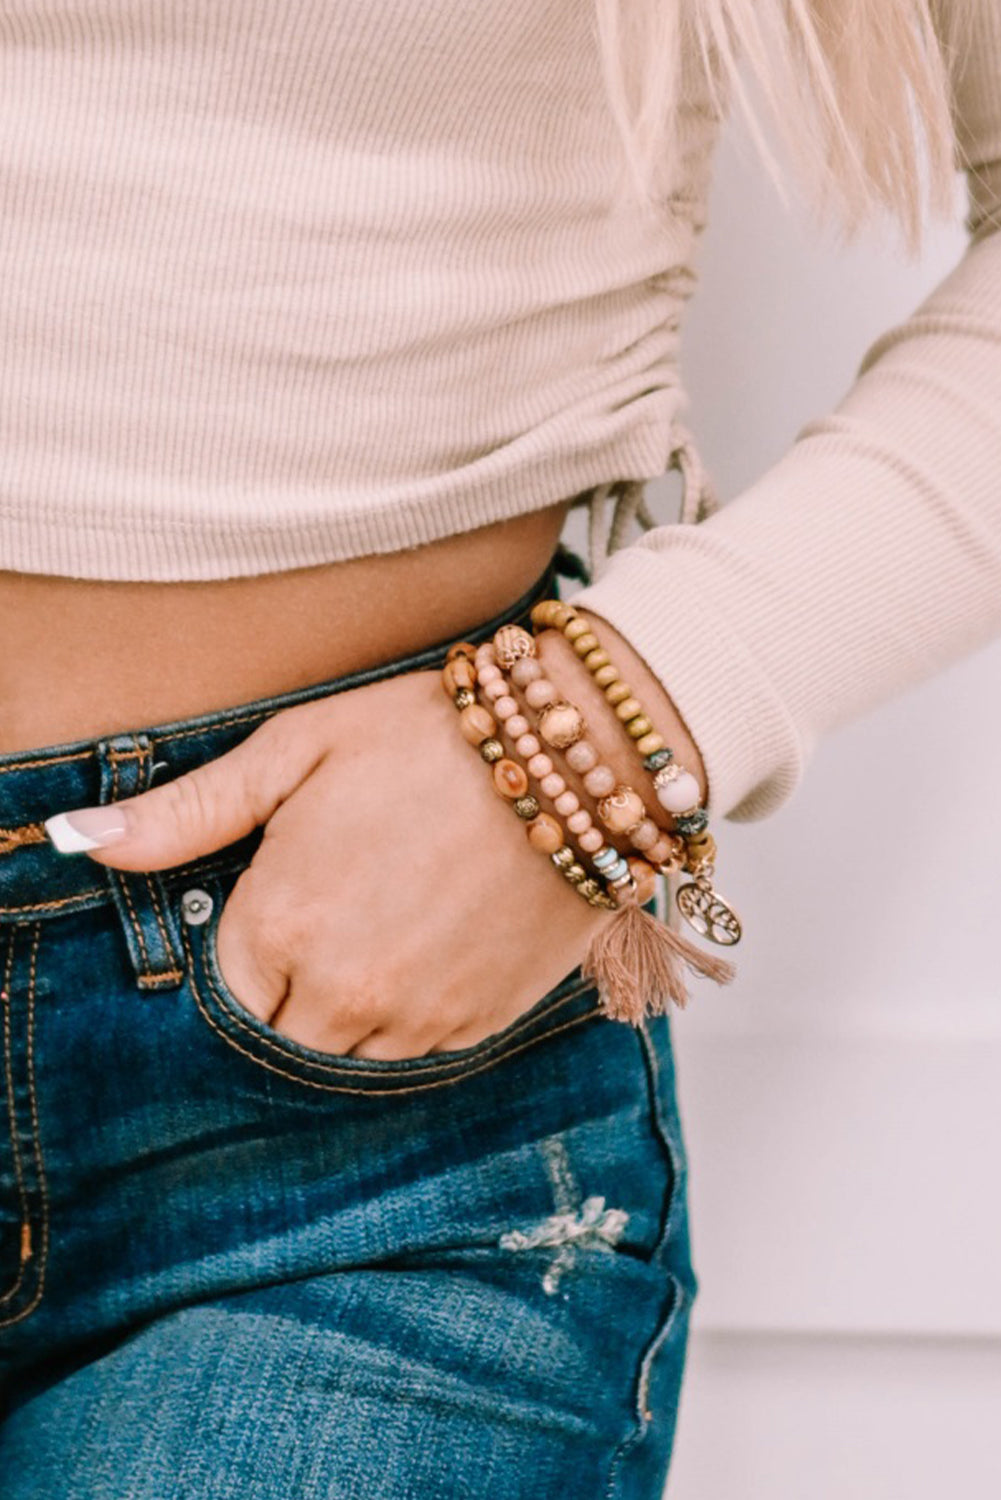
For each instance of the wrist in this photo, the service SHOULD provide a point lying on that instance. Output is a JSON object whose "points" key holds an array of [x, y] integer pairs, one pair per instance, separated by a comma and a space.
{"points": [[565, 670]]}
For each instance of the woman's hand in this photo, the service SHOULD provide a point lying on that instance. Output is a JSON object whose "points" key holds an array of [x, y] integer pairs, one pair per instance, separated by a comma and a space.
{"points": [[394, 906]]}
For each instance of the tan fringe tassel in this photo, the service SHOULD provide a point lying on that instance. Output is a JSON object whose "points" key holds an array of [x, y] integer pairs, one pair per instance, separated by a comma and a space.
{"points": [[636, 963]]}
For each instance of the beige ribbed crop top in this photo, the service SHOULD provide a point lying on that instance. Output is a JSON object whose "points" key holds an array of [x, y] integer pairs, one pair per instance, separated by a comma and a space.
{"points": [[282, 284]]}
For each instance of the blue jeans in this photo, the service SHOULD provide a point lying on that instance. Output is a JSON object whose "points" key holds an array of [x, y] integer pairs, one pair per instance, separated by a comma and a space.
{"points": [[231, 1266]]}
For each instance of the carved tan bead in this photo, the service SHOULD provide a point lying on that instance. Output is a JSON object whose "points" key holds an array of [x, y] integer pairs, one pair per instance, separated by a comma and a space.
{"points": [[545, 834], [628, 709], [585, 644], [461, 648], [622, 809], [575, 628], [510, 779], [605, 676], [561, 724], [511, 644], [638, 727], [476, 724], [649, 743], [618, 693]]}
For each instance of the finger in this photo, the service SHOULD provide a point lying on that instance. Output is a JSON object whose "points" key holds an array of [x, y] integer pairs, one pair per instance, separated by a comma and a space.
{"points": [[201, 811]]}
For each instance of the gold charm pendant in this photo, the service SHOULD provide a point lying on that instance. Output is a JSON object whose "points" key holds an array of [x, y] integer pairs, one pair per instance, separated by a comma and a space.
{"points": [[706, 911]]}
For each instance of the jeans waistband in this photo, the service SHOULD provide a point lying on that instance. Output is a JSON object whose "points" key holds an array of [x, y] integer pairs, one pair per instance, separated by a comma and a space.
{"points": [[36, 882]]}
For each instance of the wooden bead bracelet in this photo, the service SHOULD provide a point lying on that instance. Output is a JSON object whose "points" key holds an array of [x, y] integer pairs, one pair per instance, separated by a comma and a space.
{"points": [[675, 787], [510, 779], [628, 879]]}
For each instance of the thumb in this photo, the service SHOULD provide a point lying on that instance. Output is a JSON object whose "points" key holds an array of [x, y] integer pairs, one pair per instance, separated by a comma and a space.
{"points": [[202, 810]]}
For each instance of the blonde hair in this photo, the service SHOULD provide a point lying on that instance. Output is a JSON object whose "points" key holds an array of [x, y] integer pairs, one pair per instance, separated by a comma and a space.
{"points": [[852, 84]]}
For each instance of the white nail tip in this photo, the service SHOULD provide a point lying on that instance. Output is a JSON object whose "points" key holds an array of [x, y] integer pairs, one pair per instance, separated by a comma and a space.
{"points": [[66, 838]]}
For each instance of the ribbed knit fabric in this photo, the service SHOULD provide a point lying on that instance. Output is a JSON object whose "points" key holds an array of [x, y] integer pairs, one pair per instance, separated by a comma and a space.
{"points": [[284, 282]]}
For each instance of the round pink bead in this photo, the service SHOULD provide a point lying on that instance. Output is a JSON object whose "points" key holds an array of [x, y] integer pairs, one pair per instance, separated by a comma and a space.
{"points": [[525, 671], [539, 766], [680, 794], [579, 821], [659, 851], [591, 841], [506, 707], [540, 693], [516, 726], [527, 745], [495, 688], [600, 781], [487, 672], [646, 835], [566, 803], [552, 784], [485, 653], [582, 756]]}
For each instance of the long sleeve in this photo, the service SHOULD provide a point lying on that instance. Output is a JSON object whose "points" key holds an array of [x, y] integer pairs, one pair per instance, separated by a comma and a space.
{"points": [[868, 558]]}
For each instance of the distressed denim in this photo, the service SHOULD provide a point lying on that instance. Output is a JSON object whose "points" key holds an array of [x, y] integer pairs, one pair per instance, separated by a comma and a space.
{"points": [[235, 1268]]}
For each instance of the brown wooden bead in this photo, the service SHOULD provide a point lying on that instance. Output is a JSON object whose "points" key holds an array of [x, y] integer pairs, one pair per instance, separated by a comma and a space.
{"points": [[545, 834], [457, 674], [628, 709], [638, 727], [618, 692], [510, 779], [649, 743], [586, 643], [645, 877], [461, 648], [575, 628], [605, 676], [476, 724]]}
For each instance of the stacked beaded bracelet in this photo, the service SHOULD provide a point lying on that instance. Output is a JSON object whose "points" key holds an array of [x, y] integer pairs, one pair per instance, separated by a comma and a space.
{"points": [[510, 779], [561, 726], [676, 788]]}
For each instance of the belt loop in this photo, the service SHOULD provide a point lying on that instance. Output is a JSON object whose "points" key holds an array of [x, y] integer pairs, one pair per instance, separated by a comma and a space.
{"points": [[149, 924]]}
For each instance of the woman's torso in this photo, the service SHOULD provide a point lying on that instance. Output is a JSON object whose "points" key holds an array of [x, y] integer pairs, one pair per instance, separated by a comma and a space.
{"points": [[86, 658]]}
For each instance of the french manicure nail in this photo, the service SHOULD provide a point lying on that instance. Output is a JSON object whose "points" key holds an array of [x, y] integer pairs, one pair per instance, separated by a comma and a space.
{"points": [[86, 828]]}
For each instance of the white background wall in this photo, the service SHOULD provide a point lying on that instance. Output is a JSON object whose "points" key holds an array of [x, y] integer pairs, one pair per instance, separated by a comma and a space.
{"points": [[843, 1096]]}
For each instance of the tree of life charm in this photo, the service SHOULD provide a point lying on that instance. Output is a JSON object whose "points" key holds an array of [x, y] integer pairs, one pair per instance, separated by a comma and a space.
{"points": [[706, 911]]}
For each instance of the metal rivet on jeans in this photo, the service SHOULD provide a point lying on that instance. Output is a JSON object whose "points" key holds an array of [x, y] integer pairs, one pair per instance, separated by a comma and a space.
{"points": [[196, 907]]}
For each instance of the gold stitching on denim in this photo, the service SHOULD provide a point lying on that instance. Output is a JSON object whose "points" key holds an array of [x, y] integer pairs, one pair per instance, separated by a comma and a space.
{"points": [[365, 1068], [344, 1088], [35, 906], [18, 838], [45, 760], [454, 1074], [42, 1254], [22, 1193]]}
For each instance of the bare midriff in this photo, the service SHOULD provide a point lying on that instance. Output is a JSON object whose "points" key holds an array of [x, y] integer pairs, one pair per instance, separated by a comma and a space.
{"points": [[81, 658]]}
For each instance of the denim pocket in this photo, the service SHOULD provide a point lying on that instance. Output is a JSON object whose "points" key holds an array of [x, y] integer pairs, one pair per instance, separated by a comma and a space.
{"points": [[569, 1003], [24, 1216]]}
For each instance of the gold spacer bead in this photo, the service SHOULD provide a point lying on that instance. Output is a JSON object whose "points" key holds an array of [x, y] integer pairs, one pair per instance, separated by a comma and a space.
{"points": [[597, 658], [649, 743], [627, 709], [563, 857], [586, 643], [575, 873], [576, 627], [463, 698], [618, 692], [638, 727], [590, 888], [605, 676]]}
